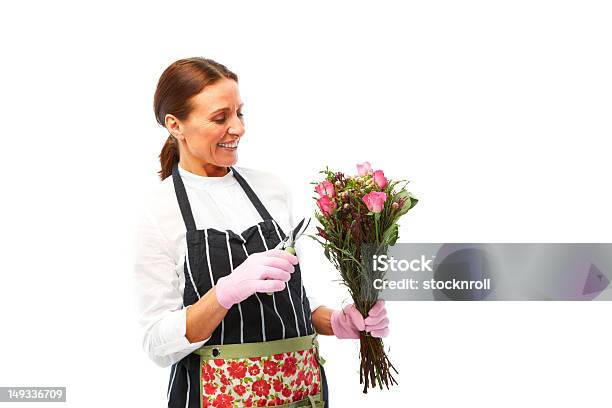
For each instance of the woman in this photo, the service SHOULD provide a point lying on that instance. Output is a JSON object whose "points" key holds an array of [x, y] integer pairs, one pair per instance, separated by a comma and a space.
{"points": [[217, 302]]}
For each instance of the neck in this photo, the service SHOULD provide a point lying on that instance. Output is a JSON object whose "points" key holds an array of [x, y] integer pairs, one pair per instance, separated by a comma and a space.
{"points": [[204, 169]]}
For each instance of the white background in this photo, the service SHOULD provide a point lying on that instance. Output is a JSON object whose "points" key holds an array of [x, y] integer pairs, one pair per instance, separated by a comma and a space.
{"points": [[497, 111]]}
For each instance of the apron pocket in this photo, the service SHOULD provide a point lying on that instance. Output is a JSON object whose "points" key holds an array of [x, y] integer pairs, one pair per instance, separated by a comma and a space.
{"points": [[285, 378]]}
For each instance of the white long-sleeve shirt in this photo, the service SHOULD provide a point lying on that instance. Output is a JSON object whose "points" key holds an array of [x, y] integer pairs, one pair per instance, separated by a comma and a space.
{"points": [[216, 202]]}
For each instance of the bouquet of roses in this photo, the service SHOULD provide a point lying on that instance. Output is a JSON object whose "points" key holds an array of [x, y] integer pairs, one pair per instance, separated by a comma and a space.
{"points": [[358, 217]]}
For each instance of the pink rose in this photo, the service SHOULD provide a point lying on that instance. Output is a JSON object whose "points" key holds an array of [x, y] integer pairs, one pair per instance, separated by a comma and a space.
{"points": [[375, 201], [325, 188], [364, 168], [380, 179], [326, 205]]}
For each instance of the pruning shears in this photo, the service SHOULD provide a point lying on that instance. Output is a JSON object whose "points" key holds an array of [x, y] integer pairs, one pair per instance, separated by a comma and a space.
{"points": [[288, 243]]}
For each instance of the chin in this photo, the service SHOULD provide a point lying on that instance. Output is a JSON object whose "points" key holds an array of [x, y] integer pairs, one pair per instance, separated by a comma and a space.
{"points": [[227, 163]]}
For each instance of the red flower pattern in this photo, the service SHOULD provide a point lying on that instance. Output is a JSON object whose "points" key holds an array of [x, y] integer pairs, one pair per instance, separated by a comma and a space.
{"points": [[208, 372], [237, 369], [315, 389], [270, 368], [261, 388], [298, 395], [260, 381], [308, 378], [254, 370], [277, 384], [223, 401], [210, 388], [289, 366]]}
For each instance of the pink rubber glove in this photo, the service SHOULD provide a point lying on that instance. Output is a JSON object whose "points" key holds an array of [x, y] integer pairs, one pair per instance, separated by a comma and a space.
{"points": [[261, 272], [348, 322]]}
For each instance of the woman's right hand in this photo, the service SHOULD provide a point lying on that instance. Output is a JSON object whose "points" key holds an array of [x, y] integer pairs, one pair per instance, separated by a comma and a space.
{"points": [[261, 272]]}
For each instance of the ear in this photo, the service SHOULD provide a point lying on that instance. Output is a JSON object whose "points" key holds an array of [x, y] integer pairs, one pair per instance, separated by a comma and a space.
{"points": [[174, 126]]}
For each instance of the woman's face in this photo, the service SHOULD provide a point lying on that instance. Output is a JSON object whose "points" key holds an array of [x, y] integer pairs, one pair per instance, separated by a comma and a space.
{"points": [[210, 135]]}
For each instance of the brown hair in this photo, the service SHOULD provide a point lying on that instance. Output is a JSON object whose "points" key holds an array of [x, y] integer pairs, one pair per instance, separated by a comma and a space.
{"points": [[182, 80]]}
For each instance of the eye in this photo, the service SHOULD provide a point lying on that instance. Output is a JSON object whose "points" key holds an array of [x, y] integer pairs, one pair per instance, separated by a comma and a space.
{"points": [[222, 119]]}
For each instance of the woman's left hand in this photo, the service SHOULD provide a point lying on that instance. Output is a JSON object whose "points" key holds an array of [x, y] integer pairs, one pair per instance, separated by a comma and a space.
{"points": [[348, 322]]}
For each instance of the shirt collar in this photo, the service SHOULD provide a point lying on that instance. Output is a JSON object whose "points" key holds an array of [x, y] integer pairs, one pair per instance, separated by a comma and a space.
{"points": [[197, 181]]}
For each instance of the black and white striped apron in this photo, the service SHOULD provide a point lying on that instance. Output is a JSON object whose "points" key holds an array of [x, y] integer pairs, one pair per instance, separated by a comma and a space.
{"points": [[212, 254]]}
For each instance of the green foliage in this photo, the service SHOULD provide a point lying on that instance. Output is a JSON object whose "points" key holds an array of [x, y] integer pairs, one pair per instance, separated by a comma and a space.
{"points": [[350, 235], [351, 224]]}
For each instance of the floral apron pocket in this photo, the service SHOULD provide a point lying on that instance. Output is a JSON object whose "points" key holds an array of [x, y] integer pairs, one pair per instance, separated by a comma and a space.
{"points": [[281, 373]]}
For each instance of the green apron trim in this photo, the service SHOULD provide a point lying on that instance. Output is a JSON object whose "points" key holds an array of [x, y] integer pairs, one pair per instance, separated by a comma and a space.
{"points": [[313, 401], [260, 349]]}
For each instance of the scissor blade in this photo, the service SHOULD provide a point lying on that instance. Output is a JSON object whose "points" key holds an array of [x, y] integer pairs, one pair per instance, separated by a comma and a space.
{"points": [[296, 230], [303, 229]]}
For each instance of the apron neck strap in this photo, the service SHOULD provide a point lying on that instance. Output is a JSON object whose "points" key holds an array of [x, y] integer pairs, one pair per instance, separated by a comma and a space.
{"points": [[263, 212], [183, 201]]}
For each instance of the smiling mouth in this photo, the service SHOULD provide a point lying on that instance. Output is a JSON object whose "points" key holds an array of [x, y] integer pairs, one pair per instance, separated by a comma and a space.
{"points": [[230, 146]]}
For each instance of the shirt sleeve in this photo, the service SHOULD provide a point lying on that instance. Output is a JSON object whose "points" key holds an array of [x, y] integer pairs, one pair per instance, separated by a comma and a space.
{"points": [[303, 249], [159, 303]]}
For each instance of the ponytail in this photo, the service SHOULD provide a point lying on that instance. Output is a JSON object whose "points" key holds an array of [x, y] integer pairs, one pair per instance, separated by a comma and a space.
{"points": [[168, 156]]}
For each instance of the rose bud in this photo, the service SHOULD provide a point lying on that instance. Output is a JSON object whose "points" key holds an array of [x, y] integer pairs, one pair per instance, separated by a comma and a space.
{"points": [[322, 232], [380, 179], [364, 168]]}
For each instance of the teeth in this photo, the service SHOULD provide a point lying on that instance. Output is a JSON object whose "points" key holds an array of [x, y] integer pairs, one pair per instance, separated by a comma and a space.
{"points": [[228, 144]]}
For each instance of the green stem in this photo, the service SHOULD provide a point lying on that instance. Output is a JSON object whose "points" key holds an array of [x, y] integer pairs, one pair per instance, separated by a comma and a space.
{"points": [[376, 215]]}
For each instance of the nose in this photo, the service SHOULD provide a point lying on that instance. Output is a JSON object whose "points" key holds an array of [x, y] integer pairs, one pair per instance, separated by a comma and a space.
{"points": [[236, 126]]}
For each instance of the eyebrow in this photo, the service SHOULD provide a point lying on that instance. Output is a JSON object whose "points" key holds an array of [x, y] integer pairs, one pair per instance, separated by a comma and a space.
{"points": [[224, 109]]}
